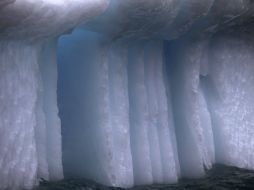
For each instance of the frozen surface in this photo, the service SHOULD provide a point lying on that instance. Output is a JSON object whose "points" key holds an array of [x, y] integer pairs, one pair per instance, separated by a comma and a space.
{"points": [[170, 19], [28, 149], [231, 74], [30, 129], [18, 100], [193, 125], [124, 114], [177, 107], [45, 18], [148, 90], [100, 134]]}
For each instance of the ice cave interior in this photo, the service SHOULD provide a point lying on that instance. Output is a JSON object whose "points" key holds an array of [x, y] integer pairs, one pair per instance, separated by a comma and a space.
{"points": [[124, 92]]}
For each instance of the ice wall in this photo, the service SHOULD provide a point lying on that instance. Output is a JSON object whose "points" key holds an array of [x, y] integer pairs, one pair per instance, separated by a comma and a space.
{"points": [[231, 76], [135, 109], [18, 100], [192, 117], [98, 110], [120, 111], [214, 78], [178, 107], [30, 130]]}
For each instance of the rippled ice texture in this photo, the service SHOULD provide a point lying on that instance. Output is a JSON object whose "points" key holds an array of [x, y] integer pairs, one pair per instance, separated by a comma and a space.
{"points": [[148, 90]]}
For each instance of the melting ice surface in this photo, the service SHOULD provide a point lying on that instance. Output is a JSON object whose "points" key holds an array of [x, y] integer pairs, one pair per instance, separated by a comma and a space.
{"points": [[148, 91]]}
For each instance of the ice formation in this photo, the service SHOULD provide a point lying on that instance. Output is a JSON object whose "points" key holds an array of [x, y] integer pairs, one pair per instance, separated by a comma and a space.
{"points": [[30, 129], [148, 91]]}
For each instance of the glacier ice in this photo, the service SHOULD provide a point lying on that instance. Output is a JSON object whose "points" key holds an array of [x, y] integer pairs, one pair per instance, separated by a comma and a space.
{"points": [[231, 108], [147, 91], [30, 142], [132, 120], [30, 137]]}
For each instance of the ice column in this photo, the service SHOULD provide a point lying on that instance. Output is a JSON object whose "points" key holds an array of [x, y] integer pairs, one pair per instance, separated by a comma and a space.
{"points": [[230, 85], [95, 112], [116, 120], [25, 126], [119, 105], [139, 116], [48, 71], [18, 81], [163, 161], [192, 117]]}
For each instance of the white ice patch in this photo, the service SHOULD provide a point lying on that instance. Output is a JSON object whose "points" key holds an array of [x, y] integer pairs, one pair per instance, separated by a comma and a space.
{"points": [[231, 74], [29, 141]]}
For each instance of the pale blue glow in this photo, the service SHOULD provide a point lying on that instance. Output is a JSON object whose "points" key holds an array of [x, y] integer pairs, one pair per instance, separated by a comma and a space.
{"points": [[124, 92]]}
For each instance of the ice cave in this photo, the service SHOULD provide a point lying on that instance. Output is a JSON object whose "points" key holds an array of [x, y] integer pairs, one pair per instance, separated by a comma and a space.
{"points": [[124, 92]]}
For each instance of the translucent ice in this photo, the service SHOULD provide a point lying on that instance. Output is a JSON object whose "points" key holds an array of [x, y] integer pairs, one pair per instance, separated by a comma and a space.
{"points": [[30, 129], [148, 90]]}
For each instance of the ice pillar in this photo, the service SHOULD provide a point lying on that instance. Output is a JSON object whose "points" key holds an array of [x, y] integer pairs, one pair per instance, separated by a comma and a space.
{"points": [[95, 109], [23, 128], [117, 124], [193, 122], [229, 83]]}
